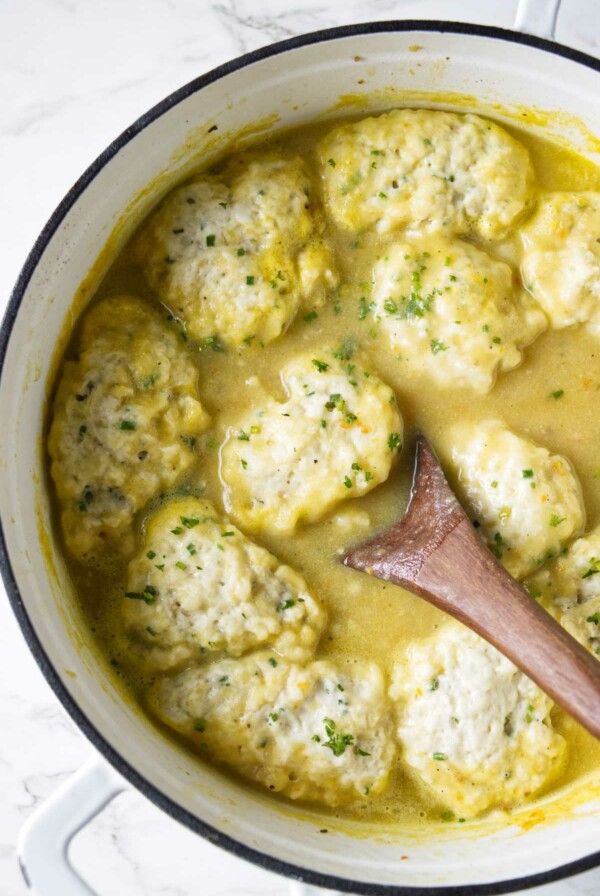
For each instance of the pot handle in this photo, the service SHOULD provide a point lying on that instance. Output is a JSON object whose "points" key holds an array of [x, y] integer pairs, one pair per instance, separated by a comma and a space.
{"points": [[43, 847], [537, 17]]}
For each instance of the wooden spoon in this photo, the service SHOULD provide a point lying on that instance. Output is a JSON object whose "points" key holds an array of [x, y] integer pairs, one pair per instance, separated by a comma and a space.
{"points": [[435, 552]]}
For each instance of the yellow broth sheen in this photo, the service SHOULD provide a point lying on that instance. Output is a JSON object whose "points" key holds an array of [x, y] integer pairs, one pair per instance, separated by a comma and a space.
{"points": [[369, 619]]}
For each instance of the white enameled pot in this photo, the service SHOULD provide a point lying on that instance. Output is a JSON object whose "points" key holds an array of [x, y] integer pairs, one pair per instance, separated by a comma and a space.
{"points": [[286, 84]]}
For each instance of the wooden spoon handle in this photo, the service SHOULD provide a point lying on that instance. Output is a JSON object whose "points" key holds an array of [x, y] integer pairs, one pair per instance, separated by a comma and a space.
{"points": [[435, 552]]}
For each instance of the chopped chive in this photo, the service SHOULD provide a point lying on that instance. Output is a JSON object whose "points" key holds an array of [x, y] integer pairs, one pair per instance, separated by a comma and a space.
{"points": [[320, 365], [394, 441]]}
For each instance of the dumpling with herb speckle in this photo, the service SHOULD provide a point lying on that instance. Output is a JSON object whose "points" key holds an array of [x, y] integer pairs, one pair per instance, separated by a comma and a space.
{"points": [[311, 732], [453, 311], [473, 727], [428, 171], [569, 587], [199, 587], [561, 258], [334, 437], [125, 419], [235, 255], [527, 502]]}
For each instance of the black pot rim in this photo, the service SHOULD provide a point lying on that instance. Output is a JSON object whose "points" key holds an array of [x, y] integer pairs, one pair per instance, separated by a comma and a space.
{"points": [[268, 862]]}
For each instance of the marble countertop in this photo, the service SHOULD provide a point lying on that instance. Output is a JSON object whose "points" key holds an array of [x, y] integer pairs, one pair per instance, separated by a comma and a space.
{"points": [[74, 74]]}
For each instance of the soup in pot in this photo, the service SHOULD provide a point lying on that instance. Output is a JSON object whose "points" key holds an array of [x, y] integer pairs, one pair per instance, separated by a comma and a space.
{"points": [[238, 406]]}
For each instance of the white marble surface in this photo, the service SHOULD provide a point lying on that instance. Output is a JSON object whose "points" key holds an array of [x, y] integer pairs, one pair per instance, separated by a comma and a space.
{"points": [[73, 74]]}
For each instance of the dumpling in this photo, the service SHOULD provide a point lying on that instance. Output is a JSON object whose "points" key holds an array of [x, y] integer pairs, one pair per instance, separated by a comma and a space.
{"points": [[428, 171], [473, 727], [453, 311], [126, 417], [234, 256], [569, 587], [310, 732], [561, 258], [334, 437], [526, 501], [198, 586]]}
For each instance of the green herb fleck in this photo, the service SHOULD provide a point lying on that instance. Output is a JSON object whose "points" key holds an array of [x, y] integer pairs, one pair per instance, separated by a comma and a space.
{"points": [[364, 307], [320, 365], [215, 343], [438, 346], [337, 742], [148, 595], [394, 441], [346, 350]]}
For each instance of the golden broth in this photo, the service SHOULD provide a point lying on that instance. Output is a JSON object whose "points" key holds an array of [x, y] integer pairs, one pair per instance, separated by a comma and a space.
{"points": [[369, 619]]}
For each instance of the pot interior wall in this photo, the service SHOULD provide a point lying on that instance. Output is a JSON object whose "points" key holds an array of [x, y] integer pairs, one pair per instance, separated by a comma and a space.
{"points": [[370, 70]]}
